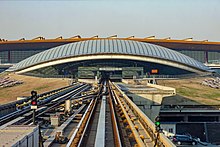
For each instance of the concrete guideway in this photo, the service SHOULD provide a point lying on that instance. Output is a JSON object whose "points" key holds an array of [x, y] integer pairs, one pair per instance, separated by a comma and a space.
{"points": [[100, 136], [138, 117], [153, 93]]}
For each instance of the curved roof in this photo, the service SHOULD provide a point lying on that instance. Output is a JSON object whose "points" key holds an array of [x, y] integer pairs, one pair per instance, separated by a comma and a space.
{"points": [[109, 46]]}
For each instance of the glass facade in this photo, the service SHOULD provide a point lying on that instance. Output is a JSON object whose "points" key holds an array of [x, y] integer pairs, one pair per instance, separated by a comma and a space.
{"points": [[198, 55], [213, 56], [4, 57], [17, 56], [123, 68]]}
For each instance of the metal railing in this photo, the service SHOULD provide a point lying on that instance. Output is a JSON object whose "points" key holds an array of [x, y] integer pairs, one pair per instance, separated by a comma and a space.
{"points": [[179, 76], [48, 76], [214, 61]]}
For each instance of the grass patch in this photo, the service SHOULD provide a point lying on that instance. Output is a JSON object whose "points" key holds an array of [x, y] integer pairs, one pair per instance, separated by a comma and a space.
{"points": [[193, 92], [3, 74], [192, 89], [41, 87], [185, 91], [2, 95], [214, 95]]}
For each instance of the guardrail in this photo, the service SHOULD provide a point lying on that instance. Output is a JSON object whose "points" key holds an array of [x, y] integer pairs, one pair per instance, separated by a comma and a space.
{"points": [[179, 76], [48, 76], [194, 107]]}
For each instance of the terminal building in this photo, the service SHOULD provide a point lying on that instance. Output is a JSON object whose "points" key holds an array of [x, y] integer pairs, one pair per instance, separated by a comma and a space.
{"points": [[115, 57], [109, 57]]}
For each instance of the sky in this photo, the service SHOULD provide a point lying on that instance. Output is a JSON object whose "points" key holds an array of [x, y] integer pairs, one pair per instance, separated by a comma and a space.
{"points": [[178, 19]]}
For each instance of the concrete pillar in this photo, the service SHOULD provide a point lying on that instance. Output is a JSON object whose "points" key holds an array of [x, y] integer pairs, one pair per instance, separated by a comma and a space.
{"points": [[55, 120], [154, 112], [186, 118], [206, 56], [68, 107], [9, 57]]}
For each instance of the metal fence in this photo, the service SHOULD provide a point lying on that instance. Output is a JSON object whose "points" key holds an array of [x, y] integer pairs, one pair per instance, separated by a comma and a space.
{"points": [[49, 76]]}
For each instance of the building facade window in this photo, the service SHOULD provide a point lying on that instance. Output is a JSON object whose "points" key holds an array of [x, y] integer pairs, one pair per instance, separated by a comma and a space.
{"points": [[197, 55], [17, 56], [171, 130], [4, 57], [213, 56]]}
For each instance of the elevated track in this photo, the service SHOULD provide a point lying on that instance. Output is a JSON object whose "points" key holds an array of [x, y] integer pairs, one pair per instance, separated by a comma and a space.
{"points": [[102, 116], [113, 120]]}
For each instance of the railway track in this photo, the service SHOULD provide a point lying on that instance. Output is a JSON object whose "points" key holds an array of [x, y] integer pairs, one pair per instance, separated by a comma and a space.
{"points": [[101, 117], [45, 104], [111, 120], [102, 130], [56, 102]]}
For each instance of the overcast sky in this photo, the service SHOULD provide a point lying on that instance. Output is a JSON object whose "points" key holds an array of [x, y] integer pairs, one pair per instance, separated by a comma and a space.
{"points": [[177, 19]]}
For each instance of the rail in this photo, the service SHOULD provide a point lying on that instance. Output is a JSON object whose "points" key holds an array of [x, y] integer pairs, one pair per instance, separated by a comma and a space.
{"points": [[61, 128], [25, 100], [77, 138], [59, 101], [60, 96], [114, 120], [98, 122], [80, 125]]}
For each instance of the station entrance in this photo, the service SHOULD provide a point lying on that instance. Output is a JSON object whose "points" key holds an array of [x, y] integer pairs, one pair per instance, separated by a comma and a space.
{"points": [[110, 72]]}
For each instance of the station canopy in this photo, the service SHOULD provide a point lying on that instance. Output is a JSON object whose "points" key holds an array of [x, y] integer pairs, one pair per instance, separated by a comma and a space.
{"points": [[109, 49]]}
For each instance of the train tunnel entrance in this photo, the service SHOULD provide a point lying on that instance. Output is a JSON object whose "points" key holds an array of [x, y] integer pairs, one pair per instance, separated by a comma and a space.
{"points": [[112, 73]]}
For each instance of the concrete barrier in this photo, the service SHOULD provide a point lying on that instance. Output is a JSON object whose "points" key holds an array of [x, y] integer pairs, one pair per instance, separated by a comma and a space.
{"points": [[165, 88], [155, 96], [125, 81], [160, 87], [90, 81]]}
